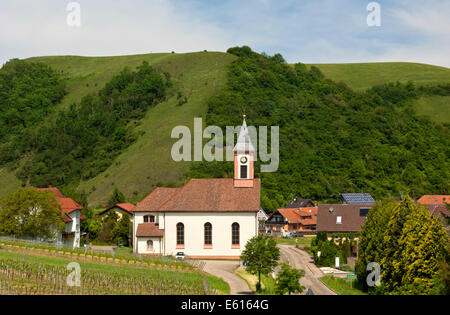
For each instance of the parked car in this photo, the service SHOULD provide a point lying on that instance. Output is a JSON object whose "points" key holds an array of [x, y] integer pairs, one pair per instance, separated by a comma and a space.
{"points": [[179, 255]]}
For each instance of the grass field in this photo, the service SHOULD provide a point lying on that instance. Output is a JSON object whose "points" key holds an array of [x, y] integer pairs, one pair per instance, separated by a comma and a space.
{"points": [[436, 107], [343, 286], [267, 282], [361, 76], [301, 241]]}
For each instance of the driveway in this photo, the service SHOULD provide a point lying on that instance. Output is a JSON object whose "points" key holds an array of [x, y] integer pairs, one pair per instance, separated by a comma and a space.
{"points": [[225, 269], [302, 260]]}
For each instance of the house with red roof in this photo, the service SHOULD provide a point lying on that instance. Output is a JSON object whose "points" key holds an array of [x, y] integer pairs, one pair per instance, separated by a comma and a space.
{"points": [[434, 200], [437, 205], [206, 218], [71, 215], [292, 220], [120, 209]]}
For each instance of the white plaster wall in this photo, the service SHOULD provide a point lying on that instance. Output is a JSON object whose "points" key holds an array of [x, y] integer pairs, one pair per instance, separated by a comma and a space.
{"points": [[142, 245], [138, 218], [221, 232], [74, 226]]}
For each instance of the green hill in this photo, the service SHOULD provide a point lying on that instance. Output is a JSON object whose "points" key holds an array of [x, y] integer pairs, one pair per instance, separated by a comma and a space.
{"points": [[361, 76], [147, 162], [196, 77]]}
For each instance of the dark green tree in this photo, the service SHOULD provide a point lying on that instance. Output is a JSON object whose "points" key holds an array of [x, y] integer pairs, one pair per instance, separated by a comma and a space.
{"points": [[288, 280], [261, 256], [117, 197], [32, 213], [121, 232]]}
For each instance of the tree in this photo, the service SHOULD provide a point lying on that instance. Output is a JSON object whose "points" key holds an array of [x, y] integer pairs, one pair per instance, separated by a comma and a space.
{"points": [[261, 255], [117, 197], [423, 245], [122, 231], [371, 245], [410, 245], [29, 212], [288, 280], [93, 228]]}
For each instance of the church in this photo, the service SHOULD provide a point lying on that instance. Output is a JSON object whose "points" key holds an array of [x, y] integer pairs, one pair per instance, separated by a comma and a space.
{"points": [[207, 218]]}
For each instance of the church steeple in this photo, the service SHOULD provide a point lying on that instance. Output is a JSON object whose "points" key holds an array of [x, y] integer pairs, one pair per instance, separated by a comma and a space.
{"points": [[244, 153]]}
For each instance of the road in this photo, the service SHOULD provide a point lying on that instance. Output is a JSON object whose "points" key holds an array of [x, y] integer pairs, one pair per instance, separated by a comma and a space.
{"points": [[302, 260], [225, 269]]}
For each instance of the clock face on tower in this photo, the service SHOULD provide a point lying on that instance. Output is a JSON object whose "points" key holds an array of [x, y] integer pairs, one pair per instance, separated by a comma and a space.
{"points": [[244, 159]]}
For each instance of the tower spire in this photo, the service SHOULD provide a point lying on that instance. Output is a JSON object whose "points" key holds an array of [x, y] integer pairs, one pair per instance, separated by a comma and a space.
{"points": [[244, 142], [243, 159]]}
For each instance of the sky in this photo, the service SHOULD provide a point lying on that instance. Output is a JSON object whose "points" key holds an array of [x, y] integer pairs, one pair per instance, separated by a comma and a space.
{"points": [[308, 31]]}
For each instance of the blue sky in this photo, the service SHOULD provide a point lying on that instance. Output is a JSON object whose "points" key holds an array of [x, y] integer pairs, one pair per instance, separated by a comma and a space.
{"points": [[309, 31]]}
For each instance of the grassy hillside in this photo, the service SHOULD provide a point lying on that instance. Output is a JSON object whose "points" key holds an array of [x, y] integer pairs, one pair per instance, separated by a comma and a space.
{"points": [[436, 107], [147, 162], [361, 76], [196, 76]]}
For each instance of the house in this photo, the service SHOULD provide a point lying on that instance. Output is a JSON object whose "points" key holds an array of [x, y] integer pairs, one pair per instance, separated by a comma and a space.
{"points": [[357, 199], [437, 205], [120, 209], [72, 217], [300, 203], [434, 199], [262, 217], [438, 210], [341, 218], [206, 218], [290, 220]]}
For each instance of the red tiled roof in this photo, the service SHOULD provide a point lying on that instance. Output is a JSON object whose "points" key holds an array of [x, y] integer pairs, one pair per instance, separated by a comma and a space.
{"points": [[155, 199], [66, 218], [82, 217], [434, 199], [308, 212], [149, 230], [292, 215], [298, 215], [204, 195], [128, 207], [67, 205]]}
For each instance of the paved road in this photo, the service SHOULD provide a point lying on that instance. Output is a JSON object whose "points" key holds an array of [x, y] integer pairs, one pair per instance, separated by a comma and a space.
{"points": [[302, 260], [225, 270]]}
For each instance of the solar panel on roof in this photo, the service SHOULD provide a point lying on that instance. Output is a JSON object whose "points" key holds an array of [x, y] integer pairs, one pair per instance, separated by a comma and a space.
{"points": [[358, 199]]}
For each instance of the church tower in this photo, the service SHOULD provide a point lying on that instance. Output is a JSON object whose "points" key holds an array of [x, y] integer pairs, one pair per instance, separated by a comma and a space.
{"points": [[244, 154]]}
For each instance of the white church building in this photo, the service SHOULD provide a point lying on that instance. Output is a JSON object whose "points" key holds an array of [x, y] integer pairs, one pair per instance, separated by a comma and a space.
{"points": [[207, 218]]}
